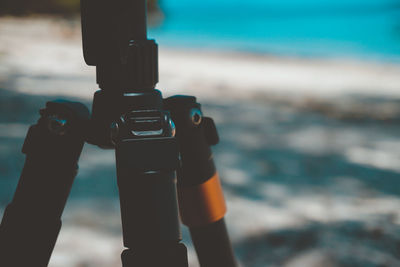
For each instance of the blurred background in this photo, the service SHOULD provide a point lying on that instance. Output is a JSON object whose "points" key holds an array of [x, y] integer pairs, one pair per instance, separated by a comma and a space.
{"points": [[305, 94]]}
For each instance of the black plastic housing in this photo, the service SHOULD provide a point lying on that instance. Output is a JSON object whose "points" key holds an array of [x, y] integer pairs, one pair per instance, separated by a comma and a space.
{"points": [[109, 25], [197, 161], [115, 41]]}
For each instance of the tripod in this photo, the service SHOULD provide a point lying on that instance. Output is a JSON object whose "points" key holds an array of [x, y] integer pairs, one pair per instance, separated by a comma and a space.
{"points": [[162, 149]]}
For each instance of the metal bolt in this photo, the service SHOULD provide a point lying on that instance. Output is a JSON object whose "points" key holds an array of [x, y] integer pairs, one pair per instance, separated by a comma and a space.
{"points": [[196, 116], [57, 125]]}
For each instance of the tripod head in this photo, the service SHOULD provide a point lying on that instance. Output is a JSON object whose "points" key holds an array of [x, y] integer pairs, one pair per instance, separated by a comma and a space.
{"points": [[114, 34]]}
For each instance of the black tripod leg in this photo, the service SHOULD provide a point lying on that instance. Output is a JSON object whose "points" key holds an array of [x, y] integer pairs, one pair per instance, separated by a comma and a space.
{"points": [[32, 221], [147, 159], [201, 201]]}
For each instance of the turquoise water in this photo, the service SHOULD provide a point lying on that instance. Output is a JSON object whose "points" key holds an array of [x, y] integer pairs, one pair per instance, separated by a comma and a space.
{"points": [[367, 29]]}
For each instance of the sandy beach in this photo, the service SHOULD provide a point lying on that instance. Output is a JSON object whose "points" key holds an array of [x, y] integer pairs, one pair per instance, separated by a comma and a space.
{"points": [[309, 154], [52, 47]]}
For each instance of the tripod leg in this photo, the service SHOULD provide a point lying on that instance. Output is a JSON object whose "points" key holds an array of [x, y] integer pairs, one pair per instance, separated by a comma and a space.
{"points": [[32, 221], [147, 158], [201, 201]]}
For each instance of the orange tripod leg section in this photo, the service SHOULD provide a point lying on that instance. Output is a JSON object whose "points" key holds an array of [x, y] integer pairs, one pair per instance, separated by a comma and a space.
{"points": [[202, 204], [201, 200]]}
